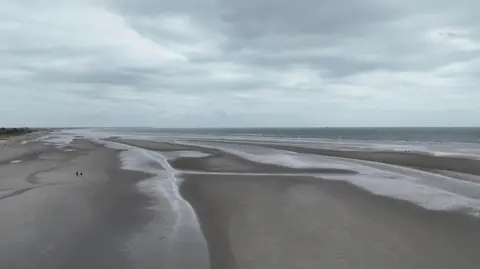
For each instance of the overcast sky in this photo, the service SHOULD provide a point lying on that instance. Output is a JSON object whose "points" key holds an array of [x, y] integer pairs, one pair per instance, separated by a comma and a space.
{"points": [[208, 63]]}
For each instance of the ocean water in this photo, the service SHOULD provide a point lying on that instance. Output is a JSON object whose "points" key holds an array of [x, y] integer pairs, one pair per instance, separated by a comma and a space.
{"points": [[459, 135]]}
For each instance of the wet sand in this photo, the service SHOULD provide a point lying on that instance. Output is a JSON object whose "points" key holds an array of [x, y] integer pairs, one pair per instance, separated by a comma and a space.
{"points": [[50, 218], [280, 221], [252, 215]]}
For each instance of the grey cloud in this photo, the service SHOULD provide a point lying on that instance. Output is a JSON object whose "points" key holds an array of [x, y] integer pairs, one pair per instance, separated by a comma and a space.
{"points": [[250, 18], [113, 77], [31, 50], [251, 62], [154, 7]]}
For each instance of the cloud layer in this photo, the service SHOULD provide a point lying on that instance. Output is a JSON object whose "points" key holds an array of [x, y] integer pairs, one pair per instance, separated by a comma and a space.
{"points": [[213, 63]]}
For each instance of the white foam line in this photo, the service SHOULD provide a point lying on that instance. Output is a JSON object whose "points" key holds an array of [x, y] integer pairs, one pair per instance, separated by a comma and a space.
{"points": [[462, 150], [273, 156], [187, 220], [173, 155], [370, 164], [404, 170], [256, 174], [429, 190]]}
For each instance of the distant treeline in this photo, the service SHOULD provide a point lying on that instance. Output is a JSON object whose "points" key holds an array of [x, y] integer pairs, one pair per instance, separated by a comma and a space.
{"points": [[16, 130]]}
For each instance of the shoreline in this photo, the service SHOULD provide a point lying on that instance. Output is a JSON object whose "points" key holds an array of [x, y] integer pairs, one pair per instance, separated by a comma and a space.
{"points": [[459, 191], [416, 160], [252, 211], [275, 221]]}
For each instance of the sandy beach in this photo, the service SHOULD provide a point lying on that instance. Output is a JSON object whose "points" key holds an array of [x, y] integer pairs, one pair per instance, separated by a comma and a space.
{"points": [[273, 222], [288, 221], [126, 210], [50, 218]]}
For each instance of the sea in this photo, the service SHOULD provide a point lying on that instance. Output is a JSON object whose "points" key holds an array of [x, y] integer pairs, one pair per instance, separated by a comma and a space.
{"points": [[410, 134]]}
